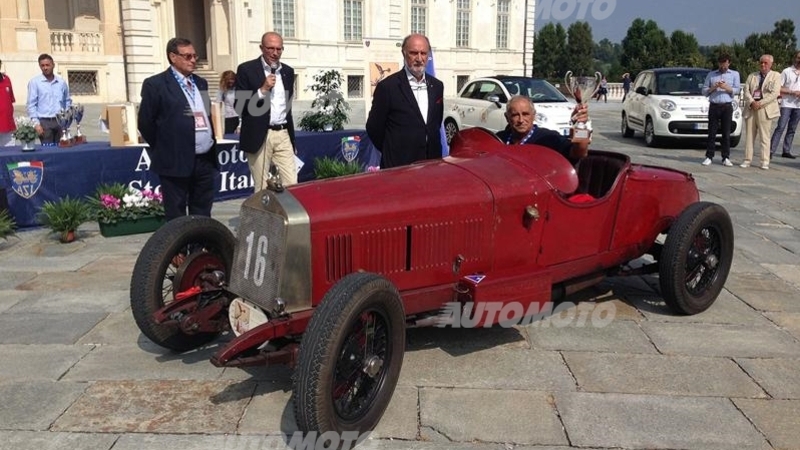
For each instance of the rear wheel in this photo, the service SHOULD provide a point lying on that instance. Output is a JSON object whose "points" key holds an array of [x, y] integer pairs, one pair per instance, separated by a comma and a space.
{"points": [[350, 357], [735, 140], [626, 130], [450, 129], [174, 259], [650, 137], [696, 258]]}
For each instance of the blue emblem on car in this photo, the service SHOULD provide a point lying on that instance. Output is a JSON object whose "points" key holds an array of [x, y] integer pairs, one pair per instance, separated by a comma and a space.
{"points": [[26, 177], [350, 145]]}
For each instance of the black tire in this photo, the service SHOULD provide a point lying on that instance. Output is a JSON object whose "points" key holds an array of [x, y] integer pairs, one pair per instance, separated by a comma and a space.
{"points": [[696, 258], [650, 137], [735, 141], [624, 128], [334, 335], [450, 130], [153, 275]]}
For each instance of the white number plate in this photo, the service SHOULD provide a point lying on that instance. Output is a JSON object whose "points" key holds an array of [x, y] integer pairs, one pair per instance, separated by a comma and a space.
{"points": [[701, 126]]}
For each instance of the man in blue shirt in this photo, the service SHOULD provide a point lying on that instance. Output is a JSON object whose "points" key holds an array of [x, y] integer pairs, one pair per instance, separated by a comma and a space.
{"points": [[48, 94], [722, 87]]}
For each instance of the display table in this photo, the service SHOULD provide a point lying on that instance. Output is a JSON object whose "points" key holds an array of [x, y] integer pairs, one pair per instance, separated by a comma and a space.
{"points": [[51, 173]]}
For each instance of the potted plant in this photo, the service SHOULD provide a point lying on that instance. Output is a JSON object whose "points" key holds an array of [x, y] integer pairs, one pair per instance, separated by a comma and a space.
{"points": [[64, 216], [7, 224], [330, 168], [25, 132], [331, 113], [120, 210]]}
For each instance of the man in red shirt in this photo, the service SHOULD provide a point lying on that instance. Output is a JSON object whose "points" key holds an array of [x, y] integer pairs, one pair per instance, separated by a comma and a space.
{"points": [[7, 125]]}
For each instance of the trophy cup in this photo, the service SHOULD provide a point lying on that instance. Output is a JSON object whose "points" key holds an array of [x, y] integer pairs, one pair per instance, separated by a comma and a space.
{"points": [[64, 118], [77, 113], [582, 89]]}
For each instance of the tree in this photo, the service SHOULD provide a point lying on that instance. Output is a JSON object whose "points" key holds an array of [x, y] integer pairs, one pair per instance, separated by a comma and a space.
{"points": [[645, 46], [785, 41], [580, 47], [549, 46], [685, 50]]}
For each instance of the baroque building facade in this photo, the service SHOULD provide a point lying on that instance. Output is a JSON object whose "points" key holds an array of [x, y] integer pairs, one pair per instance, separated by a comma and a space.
{"points": [[106, 48]]}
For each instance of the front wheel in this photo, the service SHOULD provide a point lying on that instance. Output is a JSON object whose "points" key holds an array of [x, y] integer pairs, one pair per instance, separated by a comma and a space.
{"points": [[450, 130], [176, 258], [650, 137], [735, 140], [696, 258], [350, 357]]}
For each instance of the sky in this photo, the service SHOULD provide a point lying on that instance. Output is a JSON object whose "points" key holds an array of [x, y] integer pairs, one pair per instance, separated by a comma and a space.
{"points": [[711, 21]]}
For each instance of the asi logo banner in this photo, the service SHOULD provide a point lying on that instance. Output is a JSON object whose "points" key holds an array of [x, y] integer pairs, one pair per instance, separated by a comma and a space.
{"points": [[350, 145], [26, 177]]}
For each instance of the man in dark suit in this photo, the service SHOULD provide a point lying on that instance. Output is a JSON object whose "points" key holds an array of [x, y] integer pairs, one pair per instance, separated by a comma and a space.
{"points": [[521, 129], [406, 116], [264, 91], [174, 120]]}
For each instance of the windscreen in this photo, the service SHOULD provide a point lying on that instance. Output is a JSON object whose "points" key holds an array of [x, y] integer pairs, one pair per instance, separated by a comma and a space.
{"points": [[689, 82], [540, 91]]}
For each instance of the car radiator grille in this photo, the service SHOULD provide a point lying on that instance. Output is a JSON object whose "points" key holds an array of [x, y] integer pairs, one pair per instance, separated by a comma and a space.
{"points": [[259, 257]]}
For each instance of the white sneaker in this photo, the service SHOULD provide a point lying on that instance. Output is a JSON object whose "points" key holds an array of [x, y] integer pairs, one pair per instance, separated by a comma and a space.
{"points": [[765, 166], [727, 162], [706, 162], [745, 164]]}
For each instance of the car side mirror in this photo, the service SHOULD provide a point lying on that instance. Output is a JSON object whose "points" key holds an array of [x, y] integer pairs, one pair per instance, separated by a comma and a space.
{"points": [[494, 99], [641, 90]]}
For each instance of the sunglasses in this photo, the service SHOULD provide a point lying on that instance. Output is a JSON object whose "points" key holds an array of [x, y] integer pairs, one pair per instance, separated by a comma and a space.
{"points": [[187, 56]]}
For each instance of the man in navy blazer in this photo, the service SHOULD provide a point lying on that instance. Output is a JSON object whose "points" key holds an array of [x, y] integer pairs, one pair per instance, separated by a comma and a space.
{"points": [[264, 92], [174, 120], [407, 109]]}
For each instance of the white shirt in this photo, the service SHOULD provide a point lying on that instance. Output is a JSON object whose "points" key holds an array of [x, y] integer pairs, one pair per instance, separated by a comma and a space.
{"points": [[277, 96], [790, 78], [420, 91]]}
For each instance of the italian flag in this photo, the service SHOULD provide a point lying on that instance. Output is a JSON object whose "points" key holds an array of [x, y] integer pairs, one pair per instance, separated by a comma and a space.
{"points": [[23, 164]]}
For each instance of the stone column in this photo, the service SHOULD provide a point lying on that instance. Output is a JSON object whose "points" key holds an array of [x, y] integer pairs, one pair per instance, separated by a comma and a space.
{"points": [[23, 12]]}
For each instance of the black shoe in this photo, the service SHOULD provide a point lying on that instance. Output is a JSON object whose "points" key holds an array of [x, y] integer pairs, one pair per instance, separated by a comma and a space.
{"points": [[788, 155]]}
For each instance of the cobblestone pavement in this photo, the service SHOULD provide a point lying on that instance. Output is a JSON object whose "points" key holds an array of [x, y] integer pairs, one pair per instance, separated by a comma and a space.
{"points": [[77, 374]]}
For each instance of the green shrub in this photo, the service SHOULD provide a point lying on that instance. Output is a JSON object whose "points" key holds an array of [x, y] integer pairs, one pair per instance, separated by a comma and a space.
{"points": [[7, 224], [65, 215], [330, 168]]}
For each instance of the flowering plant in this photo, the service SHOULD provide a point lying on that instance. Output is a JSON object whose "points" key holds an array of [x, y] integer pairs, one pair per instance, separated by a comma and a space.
{"points": [[26, 131], [116, 202]]}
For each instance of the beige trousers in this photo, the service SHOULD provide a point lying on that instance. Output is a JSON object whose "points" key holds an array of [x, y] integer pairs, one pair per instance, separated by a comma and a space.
{"points": [[758, 128], [277, 149]]}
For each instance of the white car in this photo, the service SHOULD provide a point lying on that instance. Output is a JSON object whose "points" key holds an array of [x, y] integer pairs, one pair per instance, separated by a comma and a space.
{"points": [[668, 103], [482, 103]]}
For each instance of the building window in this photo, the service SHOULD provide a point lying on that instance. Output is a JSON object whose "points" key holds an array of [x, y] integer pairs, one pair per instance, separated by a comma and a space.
{"points": [[283, 17], [461, 80], [462, 23], [419, 14], [82, 82], [355, 86], [502, 23], [353, 13]]}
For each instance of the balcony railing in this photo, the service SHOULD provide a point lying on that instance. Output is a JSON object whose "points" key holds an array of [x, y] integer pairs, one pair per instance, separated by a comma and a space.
{"points": [[76, 41]]}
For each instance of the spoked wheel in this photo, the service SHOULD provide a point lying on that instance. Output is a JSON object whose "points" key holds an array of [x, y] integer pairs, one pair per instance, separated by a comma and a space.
{"points": [[650, 137], [696, 258], [186, 252], [350, 357], [450, 130]]}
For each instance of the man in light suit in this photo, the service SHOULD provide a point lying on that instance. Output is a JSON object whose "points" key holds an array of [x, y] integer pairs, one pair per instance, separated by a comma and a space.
{"points": [[264, 92], [174, 120], [761, 109], [407, 110]]}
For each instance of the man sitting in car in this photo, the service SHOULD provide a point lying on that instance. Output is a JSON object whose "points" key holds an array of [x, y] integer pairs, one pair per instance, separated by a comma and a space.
{"points": [[521, 129]]}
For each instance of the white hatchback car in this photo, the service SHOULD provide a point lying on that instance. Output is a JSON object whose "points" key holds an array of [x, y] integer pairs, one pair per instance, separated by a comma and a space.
{"points": [[482, 103], [668, 103]]}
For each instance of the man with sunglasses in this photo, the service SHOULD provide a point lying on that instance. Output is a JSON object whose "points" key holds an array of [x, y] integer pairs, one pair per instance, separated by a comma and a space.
{"points": [[264, 92], [174, 119], [790, 109]]}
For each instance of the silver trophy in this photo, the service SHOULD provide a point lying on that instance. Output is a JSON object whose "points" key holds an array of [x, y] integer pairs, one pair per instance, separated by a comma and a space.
{"points": [[582, 88], [64, 118], [77, 114]]}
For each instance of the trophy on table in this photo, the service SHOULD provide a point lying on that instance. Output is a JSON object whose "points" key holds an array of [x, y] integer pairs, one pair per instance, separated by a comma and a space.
{"points": [[77, 113], [582, 88], [64, 118]]}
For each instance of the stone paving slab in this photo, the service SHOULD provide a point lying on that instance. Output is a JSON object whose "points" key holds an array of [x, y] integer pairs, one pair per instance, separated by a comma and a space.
{"points": [[38, 362], [788, 272], [11, 279], [202, 407], [619, 336], [779, 377], [770, 300], [660, 375], [512, 417], [790, 322], [759, 282], [9, 298], [35, 405], [655, 422], [777, 419], [28, 440], [727, 309], [721, 340], [46, 328], [76, 301]]}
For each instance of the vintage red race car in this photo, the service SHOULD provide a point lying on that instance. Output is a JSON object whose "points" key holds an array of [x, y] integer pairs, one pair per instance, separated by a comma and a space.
{"points": [[326, 276]]}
